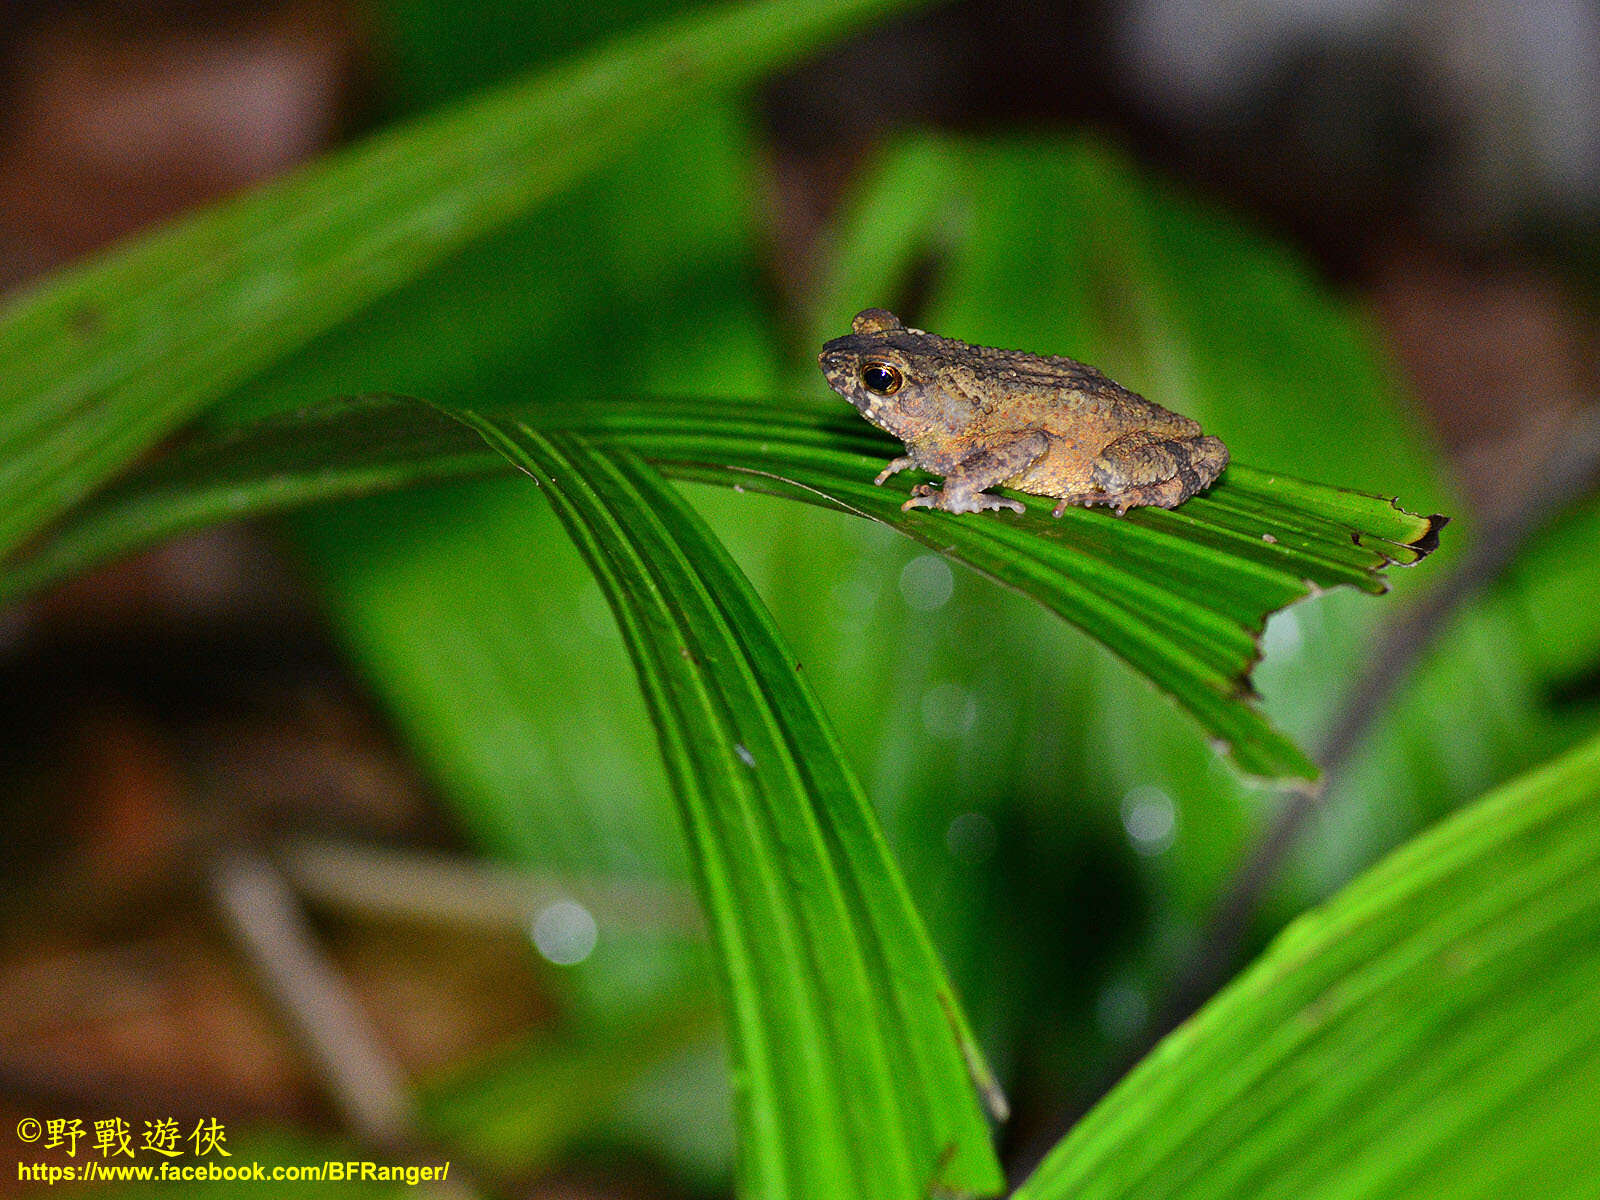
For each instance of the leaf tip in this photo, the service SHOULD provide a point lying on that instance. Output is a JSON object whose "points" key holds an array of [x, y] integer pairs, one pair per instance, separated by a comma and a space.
{"points": [[990, 1093], [1424, 544], [1428, 542]]}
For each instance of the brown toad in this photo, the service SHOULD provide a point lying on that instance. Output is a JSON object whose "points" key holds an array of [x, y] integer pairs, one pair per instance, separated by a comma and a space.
{"points": [[987, 418]]}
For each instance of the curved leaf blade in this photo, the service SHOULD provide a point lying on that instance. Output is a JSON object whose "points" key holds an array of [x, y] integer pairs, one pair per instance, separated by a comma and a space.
{"points": [[850, 1061], [1182, 595], [1430, 1032], [103, 359]]}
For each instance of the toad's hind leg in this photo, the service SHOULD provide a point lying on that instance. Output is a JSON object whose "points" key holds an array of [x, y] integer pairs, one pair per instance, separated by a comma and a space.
{"points": [[1146, 468]]}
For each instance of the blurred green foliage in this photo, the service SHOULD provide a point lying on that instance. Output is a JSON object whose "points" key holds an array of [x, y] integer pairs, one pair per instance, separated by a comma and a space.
{"points": [[1429, 1032]]}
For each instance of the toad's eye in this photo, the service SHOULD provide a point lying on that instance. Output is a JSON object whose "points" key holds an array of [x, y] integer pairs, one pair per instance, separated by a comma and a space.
{"points": [[881, 377]]}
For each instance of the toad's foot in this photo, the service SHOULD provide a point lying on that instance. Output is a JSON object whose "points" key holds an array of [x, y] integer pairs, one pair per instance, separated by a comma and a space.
{"points": [[1167, 494], [925, 495], [897, 464]]}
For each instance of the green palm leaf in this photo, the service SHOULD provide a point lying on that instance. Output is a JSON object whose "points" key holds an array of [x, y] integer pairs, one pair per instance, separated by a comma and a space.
{"points": [[102, 360], [850, 1062], [1431, 1032], [1182, 595]]}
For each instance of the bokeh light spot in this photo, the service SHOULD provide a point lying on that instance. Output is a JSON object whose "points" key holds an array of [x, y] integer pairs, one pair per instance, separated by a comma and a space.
{"points": [[1150, 819], [565, 932], [926, 583]]}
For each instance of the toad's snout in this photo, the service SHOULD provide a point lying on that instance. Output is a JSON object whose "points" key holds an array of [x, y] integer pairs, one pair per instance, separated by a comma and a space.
{"points": [[837, 370]]}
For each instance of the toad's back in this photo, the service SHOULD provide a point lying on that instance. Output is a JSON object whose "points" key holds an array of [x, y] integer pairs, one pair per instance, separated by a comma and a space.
{"points": [[1061, 396]]}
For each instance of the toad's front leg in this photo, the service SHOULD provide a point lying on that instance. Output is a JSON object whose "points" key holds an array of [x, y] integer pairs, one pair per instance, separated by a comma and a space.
{"points": [[965, 486], [896, 465]]}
